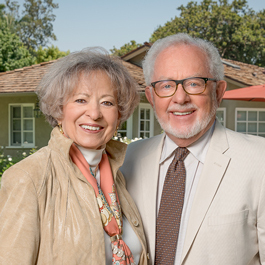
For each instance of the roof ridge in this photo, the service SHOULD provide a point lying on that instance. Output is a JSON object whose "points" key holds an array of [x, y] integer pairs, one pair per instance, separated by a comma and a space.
{"points": [[28, 67]]}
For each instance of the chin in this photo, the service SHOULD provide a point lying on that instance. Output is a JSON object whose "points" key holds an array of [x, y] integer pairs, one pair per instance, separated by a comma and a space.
{"points": [[189, 131]]}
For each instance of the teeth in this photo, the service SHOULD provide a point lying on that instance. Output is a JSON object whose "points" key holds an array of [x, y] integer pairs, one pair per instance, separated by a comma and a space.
{"points": [[91, 128], [182, 113]]}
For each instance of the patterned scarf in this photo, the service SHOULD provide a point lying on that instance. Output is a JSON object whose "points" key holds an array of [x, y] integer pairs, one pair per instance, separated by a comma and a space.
{"points": [[108, 203]]}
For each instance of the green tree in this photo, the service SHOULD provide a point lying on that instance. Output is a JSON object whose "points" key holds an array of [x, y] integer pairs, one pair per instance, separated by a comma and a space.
{"points": [[125, 48], [35, 25], [235, 29], [48, 54], [13, 54]]}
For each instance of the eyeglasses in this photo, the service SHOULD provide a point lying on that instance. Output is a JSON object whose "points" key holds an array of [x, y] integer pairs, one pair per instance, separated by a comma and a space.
{"points": [[192, 86]]}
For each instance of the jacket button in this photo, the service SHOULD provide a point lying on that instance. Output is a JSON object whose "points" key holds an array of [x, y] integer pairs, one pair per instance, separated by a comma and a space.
{"points": [[135, 222]]}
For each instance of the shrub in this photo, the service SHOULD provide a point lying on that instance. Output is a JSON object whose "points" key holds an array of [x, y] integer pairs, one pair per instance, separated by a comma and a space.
{"points": [[6, 161]]}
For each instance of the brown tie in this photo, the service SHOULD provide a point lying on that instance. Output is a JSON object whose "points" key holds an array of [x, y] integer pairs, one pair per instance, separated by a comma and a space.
{"points": [[169, 216]]}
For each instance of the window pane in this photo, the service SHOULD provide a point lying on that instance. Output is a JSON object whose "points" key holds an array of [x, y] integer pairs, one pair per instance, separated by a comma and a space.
{"points": [[252, 116], [16, 125], [28, 137], [147, 135], [142, 135], [28, 112], [142, 126], [124, 126], [262, 116], [220, 116], [147, 125], [148, 114], [241, 115], [16, 112], [28, 125], [241, 127], [16, 138], [142, 114], [262, 127], [252, 127]]}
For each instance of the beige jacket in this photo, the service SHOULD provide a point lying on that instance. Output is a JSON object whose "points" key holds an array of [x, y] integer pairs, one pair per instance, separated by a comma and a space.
{"points": [[48, 210], [227, 219]]}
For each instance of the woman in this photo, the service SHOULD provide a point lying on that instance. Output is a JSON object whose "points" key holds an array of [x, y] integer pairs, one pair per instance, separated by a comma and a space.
{"points": [[67, 203]]}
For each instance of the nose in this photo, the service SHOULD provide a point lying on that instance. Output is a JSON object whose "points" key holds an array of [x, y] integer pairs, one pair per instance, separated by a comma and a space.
{"points": [[93, 111], [180, 97]]}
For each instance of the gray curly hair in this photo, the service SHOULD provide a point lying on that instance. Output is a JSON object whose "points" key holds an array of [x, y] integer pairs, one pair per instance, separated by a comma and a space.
{"points": [[59, 82]]}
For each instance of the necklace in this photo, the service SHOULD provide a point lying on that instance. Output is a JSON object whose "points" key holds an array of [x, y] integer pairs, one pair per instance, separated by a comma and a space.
{"points": [[95, 171]]}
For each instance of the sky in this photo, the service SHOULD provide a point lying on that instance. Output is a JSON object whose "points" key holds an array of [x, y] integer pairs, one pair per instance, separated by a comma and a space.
{"points": [[85, 23]]}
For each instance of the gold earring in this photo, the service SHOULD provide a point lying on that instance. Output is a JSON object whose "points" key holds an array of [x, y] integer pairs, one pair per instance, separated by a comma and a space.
{"points": [[60, 128], [116, 132]]}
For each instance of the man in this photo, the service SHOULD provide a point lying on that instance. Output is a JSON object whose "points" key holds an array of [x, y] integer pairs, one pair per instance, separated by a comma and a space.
{"points": [[220, 218]]}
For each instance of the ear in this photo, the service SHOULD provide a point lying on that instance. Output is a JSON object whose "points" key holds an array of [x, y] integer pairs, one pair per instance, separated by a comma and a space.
{"points": [[220, 90], [148, 94]]}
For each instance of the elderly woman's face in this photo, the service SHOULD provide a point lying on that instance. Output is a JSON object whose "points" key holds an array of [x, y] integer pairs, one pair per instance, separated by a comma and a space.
{"points": [[90, 116]]}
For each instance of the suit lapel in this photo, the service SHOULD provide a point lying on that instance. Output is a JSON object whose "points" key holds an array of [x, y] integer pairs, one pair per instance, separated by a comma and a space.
{"points": [[213, 171], [149, 172]]}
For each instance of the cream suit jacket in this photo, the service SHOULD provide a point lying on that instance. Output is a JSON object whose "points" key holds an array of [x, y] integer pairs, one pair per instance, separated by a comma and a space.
{"points": [[227, 220]]}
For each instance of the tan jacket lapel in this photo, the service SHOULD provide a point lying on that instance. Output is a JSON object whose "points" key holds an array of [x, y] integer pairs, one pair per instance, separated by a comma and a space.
{"points": [[213, 171], [149, 172]]}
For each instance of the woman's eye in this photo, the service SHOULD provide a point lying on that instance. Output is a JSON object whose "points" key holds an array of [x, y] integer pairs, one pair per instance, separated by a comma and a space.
{"points": [[80, 100], [107, 103]]}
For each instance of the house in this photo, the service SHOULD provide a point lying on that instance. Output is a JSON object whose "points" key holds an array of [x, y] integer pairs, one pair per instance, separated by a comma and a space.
{"points": [[241, 116], [22, 125]]}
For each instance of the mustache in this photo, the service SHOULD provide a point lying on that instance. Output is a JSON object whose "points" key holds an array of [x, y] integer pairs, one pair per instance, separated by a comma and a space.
{"points": [[178, 107]]}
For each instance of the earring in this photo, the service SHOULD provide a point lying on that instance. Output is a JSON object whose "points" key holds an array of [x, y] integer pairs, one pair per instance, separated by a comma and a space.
{"points": [[116, 132], [60, 128]]}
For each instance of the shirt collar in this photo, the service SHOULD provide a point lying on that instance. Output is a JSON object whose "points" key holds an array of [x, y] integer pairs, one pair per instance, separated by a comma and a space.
{"points": [[198, 149]]}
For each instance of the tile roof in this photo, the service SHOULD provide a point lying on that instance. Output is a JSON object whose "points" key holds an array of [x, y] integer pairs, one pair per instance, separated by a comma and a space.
{"points": [[26, 79], [247, 74]]}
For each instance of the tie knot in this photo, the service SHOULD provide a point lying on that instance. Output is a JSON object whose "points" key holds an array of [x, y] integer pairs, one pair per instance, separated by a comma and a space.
{"points": [[181, 153]]}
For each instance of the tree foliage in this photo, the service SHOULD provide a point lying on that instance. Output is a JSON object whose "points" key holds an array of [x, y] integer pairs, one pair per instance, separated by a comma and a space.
{"points": [[49, 54], [13, 54], [21, 38], [235, 29], [125, 48], [35, 24]]}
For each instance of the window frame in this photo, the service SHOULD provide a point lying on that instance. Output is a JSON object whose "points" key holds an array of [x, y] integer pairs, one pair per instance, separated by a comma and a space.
{"points": [[247, 121], [224, 112], [22, 145], [151, 128]]}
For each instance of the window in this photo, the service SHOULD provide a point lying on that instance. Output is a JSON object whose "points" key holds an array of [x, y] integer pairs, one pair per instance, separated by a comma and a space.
{"points": [[21, 125], [250, 121], [221, 115], [126, 129], [146, 121]]}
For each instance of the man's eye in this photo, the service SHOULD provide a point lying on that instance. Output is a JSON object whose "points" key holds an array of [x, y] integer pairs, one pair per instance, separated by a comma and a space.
{"points": [[192, 84], [166, 86]]}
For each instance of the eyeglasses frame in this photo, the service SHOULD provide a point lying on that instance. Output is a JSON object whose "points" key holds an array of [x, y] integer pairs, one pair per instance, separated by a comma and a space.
{"points": [[206, 79]]}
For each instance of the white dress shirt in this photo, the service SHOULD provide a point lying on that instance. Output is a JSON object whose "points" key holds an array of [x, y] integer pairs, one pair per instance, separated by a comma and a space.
{"points": [[93, 157], [193, 164]]}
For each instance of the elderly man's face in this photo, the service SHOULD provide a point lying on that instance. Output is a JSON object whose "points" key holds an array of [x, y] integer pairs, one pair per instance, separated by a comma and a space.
{"points": [[185, 118]]}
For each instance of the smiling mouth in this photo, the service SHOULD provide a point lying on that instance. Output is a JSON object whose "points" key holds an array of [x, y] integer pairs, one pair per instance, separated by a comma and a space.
{"points": [[182, 113], [91, 128]]}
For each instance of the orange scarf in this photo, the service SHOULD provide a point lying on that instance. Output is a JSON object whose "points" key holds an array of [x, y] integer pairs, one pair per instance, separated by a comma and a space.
{"points": [[108, 203]]}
